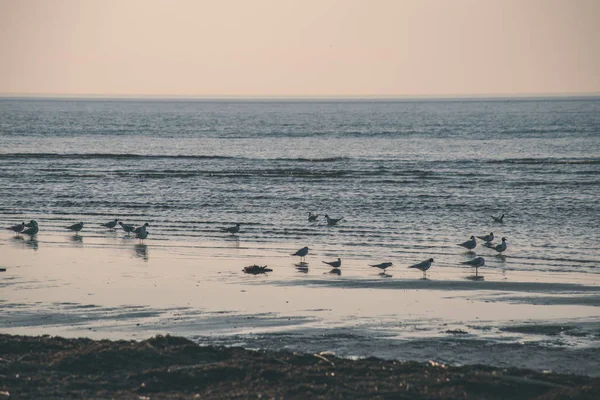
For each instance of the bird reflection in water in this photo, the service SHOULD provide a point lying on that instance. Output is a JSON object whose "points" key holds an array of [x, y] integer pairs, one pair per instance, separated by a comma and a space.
{"points": [[18, 240], [502, 259], [141, 251], [336, 271], [233, 240], [77, 239], [30, 242], [302, 267]]}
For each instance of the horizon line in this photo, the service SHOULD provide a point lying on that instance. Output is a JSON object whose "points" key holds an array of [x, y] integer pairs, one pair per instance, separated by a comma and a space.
{"points": [[296, 97]]}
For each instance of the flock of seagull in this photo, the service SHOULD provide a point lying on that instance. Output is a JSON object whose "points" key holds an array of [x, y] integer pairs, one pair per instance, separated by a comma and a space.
{"points": [[32, 228], [423, 266], [140, 232]]}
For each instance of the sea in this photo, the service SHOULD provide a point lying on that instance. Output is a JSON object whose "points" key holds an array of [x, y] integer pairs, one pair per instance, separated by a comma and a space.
{"points": [[410, 177]]}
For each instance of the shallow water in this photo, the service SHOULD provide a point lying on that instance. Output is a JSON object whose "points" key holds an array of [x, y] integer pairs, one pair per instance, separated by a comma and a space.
{"points": [[411, 178], [117, 288]]}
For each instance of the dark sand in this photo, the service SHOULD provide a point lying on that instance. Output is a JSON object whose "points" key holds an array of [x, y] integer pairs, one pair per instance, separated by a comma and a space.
{"points": [[174, 367]]}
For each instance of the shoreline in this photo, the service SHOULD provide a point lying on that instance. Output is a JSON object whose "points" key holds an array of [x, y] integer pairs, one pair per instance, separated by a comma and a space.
{"points": [[115, 288], [175, 367]]}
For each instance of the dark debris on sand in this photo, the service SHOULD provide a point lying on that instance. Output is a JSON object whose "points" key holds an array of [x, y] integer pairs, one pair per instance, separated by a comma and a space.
{"points": [[256, 269], [168, 367]]}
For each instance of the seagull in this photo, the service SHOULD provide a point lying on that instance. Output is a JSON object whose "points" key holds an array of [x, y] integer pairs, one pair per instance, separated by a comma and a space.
{"points": [[476, 262], [141, 228], [487, 238], [312, 217], [499, 219], [34, 229], [332, 221], [127, 227], [334, 264], [423, 266], [382, 266], [233, 230], [499, 247], [17, 228], [469, 244], [142, 234], [110, 224], [302, 253], [76, 227]]}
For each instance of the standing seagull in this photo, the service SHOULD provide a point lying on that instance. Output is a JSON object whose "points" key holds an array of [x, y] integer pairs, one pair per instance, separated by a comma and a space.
{"points": [[423, 266], [382, 266], [334, 264], [487, 238], [33, 228], [476, 262], [143, 234], [302, 253], [127, 227], [110, 224], [141, 228], [469, 244], [17, 228], [499, 247], [332, 221], [312, 217], [499, 219], [233, 229], [76, 227]]}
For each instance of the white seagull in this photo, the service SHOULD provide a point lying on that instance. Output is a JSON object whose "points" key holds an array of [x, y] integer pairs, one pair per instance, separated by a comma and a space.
{"points": [[487, 238], [423, 266], [334, 264], [382, 266], [469, 244], [110, 224], [302, 253], [127, 227], [33, 228], [476, 262], [143, 234], [141, 228], [499, 219], [332, 221], [233, 229], [75, 227], [499, 247], [312, 217], [17, 228]]}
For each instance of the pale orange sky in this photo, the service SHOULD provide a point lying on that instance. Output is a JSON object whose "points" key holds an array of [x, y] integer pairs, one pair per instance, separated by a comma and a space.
{"points": [[299, 48]]}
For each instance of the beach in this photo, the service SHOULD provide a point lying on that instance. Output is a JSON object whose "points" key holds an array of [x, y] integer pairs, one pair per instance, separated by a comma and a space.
{"points": [[116, 288], [410, 180]]}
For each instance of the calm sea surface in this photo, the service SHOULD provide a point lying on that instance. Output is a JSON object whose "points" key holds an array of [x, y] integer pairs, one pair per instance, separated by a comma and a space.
{"points": [[410, 178]]}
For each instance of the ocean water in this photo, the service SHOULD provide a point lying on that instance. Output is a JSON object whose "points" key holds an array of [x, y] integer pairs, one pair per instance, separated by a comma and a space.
{"points": [[410, 178]]}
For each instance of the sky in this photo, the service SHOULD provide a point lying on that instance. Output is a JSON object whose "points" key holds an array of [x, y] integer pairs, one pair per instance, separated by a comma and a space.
{"points": [[207, 48]]}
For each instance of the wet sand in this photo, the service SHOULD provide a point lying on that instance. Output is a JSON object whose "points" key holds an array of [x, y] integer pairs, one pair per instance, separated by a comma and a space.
{"points": [[107, 286], [174, 367]]}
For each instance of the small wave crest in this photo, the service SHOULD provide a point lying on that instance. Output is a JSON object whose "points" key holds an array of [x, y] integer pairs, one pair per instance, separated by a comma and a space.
{"points": [[315, 160], [77, 156], [554, 161]]}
